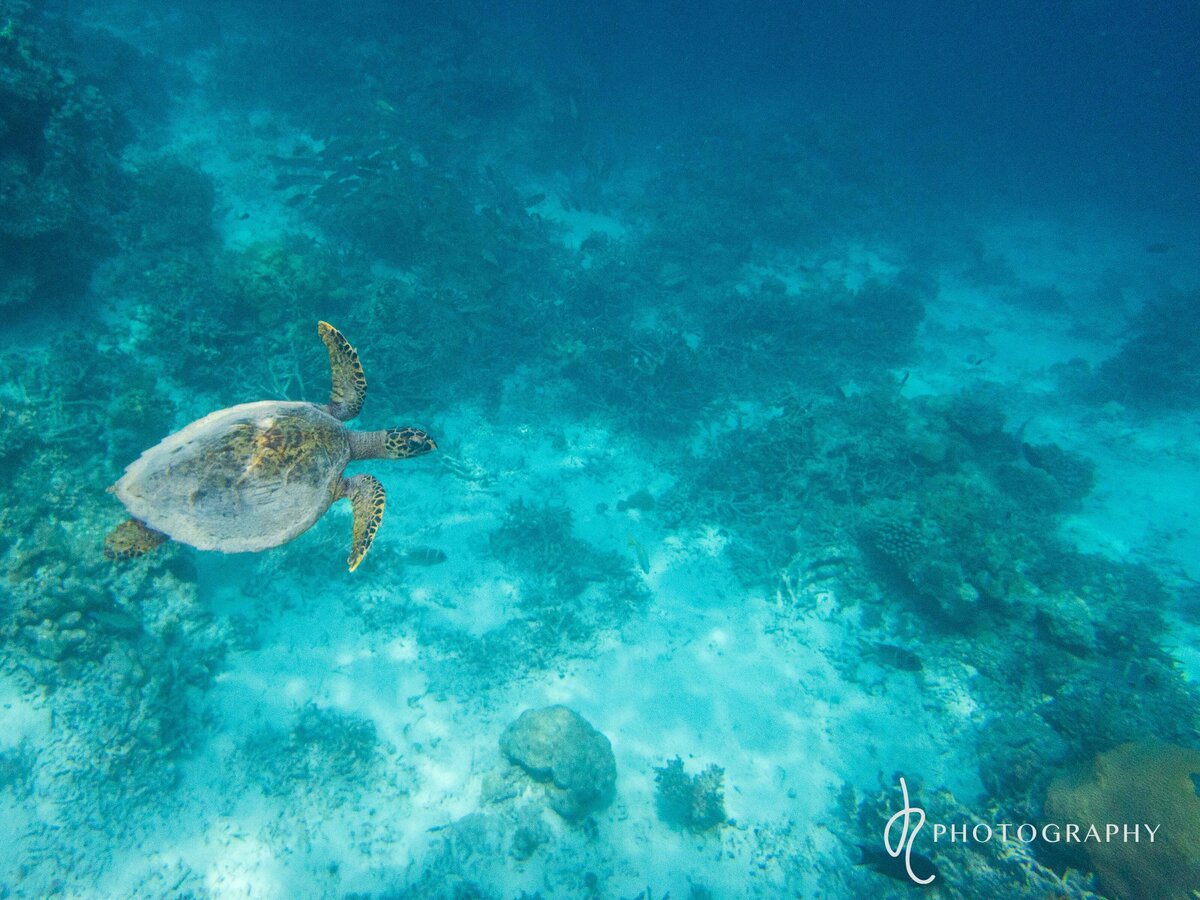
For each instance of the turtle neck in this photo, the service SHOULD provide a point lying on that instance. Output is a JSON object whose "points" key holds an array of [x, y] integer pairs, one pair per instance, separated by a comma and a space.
{"points": [[368, 444]]}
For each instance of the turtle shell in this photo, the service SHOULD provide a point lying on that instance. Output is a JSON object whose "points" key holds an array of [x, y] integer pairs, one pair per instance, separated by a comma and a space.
{"points": [[244, 478]]}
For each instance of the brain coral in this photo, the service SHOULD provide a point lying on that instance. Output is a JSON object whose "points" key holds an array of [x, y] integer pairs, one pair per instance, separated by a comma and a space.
{"points": [[557, 746], [1150, 783]]}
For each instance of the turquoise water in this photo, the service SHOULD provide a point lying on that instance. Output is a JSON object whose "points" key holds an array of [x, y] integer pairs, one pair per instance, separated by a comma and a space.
{"points": [[815, 398]]}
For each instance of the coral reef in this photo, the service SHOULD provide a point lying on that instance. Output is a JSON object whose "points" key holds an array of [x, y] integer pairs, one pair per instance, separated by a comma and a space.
{"points": [[1072, 476], [558, 748], [733, 308], [17, 766], [60, 184], [694, 802], [323, 747], [893, 530], [1156, 367], [171, 208], [119, 657], [974, 417], [964, 869], [193, 302], [1147, 784], [483, 855], [787, 184], [918, 554]]}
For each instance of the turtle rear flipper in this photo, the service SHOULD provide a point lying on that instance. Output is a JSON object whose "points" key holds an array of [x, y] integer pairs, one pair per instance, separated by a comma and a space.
{"points": [[130, 540], [368, 498], [349, 383]]}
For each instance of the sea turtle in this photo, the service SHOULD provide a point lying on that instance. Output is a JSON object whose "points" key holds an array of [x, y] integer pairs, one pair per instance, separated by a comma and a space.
{"points": [[257, 475]]}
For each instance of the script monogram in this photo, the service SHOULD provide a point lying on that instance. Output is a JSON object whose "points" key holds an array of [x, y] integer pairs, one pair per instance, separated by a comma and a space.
{"points": [[904, 845]]}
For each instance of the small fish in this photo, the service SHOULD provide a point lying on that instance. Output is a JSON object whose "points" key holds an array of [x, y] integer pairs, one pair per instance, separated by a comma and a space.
{"points": [[533, 200], [639, 551], [423, 556], [384, 106], [640, 500], [893, 866], [893, 656], [1160, 247], [116, 619]]}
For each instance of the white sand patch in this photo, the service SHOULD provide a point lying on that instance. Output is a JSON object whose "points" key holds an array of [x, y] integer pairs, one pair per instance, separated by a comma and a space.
{"points": [[845, 265], [24, 721], [577, 224], [26, 728]]}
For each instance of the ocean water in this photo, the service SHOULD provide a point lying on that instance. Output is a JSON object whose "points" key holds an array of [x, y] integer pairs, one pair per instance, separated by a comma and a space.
{"points": [[816, 393]]}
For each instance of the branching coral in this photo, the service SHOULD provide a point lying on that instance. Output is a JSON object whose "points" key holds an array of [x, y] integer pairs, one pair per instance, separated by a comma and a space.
{"points": [[694, 802], [323, 746]]}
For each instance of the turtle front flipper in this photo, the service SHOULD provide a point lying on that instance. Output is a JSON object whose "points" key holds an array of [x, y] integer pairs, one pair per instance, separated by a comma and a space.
{"points": [[349, 383], [130, 540], [367, 497]]}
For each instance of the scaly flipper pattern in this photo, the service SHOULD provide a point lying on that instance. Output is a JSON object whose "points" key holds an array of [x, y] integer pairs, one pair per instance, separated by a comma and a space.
{"points": [[368, 498], [130, 540], [349, 382]]}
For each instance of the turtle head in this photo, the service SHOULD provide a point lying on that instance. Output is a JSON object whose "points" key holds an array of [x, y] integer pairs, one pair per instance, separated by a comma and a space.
{"points": [[404, 443]]}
